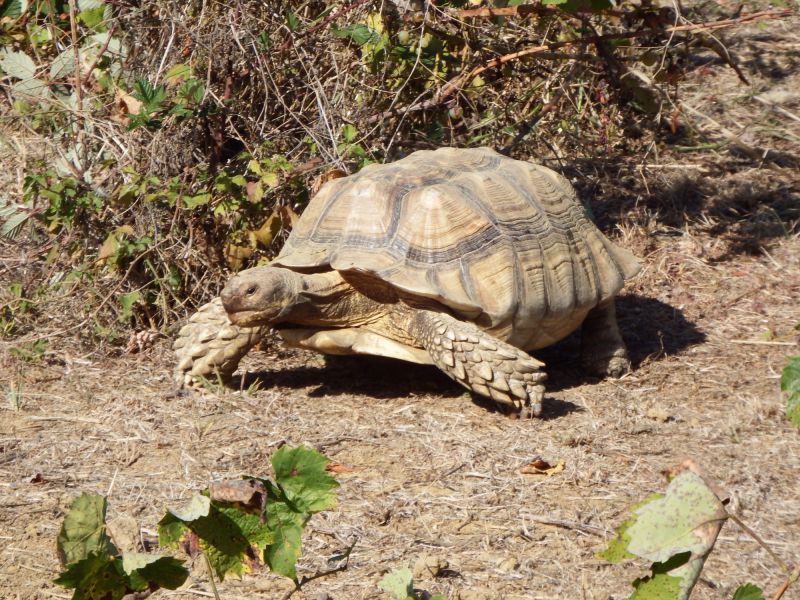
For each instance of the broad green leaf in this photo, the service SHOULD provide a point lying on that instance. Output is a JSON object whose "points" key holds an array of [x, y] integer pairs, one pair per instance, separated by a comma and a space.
{"points": [[84, 530], [790, 383], [301, 473], [228, 536], [349, 133], [399, 583], [17, 64], [143, 569], [287, 526], [617, 550], [30, 90], [90, 4], [63, 65], [178, 73], [11, 8], [196, 200], [359, 33], [657, 587], [686, 521], [95, 577], [748, 591]]}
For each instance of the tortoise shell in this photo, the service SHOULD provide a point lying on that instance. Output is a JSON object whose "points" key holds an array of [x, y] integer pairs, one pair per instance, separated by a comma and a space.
{"points": [[501, 242]]}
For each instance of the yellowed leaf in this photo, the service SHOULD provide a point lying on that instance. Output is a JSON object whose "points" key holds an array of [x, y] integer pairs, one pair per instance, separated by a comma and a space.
{"points": [[269, 229], [125, 104], [236, 255]]}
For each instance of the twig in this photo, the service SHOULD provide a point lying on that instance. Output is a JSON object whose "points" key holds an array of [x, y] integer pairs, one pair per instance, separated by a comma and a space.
{"points": [[318, 574], [793, 577], [523, 10], [784, 567], [211, 575], [73, 24], [762, 343], [569, 525], [459, 81], [99, 55]]}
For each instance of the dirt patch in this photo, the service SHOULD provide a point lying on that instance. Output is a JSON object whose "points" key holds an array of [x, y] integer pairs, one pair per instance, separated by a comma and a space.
{"points": [[427, 470]]}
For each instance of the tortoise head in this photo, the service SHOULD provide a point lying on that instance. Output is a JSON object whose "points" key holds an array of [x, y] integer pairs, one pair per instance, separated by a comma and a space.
{"points": [[261, 295]]}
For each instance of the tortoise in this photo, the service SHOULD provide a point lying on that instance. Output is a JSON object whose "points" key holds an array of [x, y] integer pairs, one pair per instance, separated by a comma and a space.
{"points": [[460, 258]]}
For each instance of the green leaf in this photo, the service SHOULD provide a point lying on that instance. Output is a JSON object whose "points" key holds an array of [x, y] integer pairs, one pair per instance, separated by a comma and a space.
{"points": [[84, 530], [32, 89], [349, 133], [617, 550], [675, 532], [359, 33], [287, 526], [292, 21], [790, 383], [399, 583], [301, 473], [16, 63], [229, 537], [178, 72], [127, 302], [63, 65], [145, 569], [11, 8], [196, 200], [98, 576], [748, 591]]}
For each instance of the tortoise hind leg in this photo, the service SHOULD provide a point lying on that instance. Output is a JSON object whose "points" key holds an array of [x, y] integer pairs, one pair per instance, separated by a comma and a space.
{"points": [[481, 362], [210, 344], [602, 350]]}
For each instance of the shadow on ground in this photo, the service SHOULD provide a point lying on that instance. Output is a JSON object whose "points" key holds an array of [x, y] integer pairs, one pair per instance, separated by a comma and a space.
{"points": [[652, 329]]}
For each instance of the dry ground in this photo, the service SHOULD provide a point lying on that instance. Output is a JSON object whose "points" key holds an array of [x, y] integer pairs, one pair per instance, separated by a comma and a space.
{"points": [[427, 471]]}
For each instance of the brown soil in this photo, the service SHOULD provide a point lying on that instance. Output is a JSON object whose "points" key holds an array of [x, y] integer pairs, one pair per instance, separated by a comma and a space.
{"points": [[428, 471]]}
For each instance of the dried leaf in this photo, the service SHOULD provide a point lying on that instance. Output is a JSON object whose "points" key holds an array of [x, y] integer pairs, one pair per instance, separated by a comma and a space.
{"points": [[542, 467]]}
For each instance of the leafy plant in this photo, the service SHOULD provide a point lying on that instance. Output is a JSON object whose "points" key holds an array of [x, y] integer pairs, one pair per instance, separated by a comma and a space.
{"points": [[399, 584], [93, 566], [676, 531], [790, 383], [235, 525], [235, 535]]}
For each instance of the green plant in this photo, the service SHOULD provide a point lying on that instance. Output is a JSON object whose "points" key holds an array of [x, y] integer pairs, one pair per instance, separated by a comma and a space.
{"points": [[676, 531], [234, 525], [790, 383], [399, 584], [30, 352], [93, 566]]}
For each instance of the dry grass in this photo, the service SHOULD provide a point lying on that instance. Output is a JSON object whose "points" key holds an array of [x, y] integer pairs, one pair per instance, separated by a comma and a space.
{"points": [[427, 471]]}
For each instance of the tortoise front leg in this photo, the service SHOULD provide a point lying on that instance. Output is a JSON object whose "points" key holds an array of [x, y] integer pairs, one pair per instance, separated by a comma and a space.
{"points": [[210, 344], [481, 362]]}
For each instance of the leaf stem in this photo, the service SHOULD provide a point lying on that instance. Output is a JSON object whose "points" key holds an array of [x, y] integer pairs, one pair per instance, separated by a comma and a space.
{"points": [[794, 576], [210, 575], [784, 567]]}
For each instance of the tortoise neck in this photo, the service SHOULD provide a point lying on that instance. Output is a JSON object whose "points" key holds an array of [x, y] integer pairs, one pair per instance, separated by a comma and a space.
{"points": [[328, 300]]}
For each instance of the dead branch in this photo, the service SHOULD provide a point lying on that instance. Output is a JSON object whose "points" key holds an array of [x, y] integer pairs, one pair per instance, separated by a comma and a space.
{"points": [[524, 10]]}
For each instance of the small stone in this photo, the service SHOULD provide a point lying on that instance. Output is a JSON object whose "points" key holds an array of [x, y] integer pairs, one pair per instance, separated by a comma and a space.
{"points": [[659, 414], [508, 564], [427, 566]]}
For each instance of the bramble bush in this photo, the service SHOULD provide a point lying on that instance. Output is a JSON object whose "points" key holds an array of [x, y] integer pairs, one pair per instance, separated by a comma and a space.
{"points": [[174, 144]]}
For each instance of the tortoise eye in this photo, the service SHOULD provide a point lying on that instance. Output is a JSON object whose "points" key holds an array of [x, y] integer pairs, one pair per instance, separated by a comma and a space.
{"points": [[251, 290]]}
